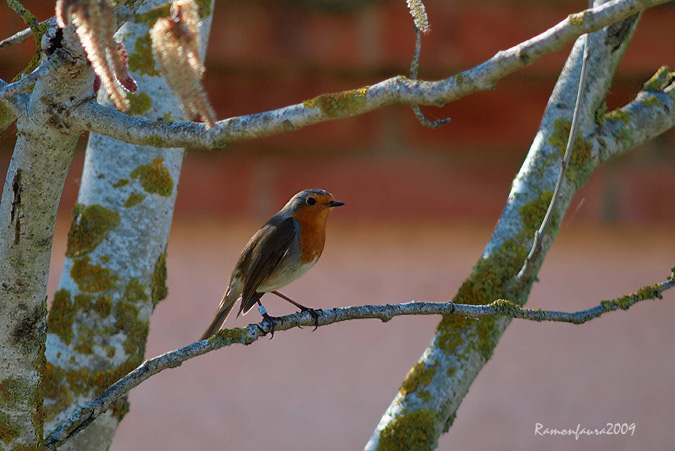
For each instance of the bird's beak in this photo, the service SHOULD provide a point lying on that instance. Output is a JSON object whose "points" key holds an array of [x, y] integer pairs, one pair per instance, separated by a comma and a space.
{"points": [[335, 203]]}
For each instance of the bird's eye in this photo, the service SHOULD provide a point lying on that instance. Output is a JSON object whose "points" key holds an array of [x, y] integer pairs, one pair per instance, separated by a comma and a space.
{"points": [[310, 201]]}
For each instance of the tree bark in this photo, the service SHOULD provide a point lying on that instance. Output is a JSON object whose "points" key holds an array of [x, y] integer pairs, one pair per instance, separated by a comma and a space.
{"points": [[30, 198], [115, 269], [429, 397]]}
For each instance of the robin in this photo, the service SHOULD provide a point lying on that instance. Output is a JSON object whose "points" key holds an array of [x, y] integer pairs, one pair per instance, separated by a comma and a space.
{"points": [[285, 248]]}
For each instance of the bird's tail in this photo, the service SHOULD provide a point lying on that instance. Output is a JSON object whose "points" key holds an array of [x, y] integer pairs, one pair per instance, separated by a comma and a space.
{"points": [[221, 315]]}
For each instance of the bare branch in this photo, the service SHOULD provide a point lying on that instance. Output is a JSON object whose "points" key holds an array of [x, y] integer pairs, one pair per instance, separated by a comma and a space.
{"points": [[250, 334], [25, 83], [136, 130], [16, 38], [492, 277], [21, 36], [395, 90], [37, 29], [651, 113], [414, 67], [27, 16], [10, 107], [529, 266]]}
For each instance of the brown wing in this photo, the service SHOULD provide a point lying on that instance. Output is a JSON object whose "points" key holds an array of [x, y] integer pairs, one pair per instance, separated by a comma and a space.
{"points": [[275, 238]]}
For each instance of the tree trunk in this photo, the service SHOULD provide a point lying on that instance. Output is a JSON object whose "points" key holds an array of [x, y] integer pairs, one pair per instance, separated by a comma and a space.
{"points": [[115, 269], [30, 198], [429, 397]]}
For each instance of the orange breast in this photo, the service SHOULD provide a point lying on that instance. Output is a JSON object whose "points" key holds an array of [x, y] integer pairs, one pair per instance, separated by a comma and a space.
{"points": [[312, 233]]}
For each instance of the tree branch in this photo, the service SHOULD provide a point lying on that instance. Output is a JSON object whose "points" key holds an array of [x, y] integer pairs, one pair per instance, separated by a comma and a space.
{"points": [[396, 90], [23, 84], [250, 334], [414, 67], [127, 195], [460, 348], [651, 113], [529, 266], [30, 198], [28, 18], [16, 38], [10, 108], [21, 36]]}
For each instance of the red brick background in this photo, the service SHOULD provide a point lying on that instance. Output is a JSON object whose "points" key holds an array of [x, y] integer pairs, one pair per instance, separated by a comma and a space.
{"points": [[266, 54]]}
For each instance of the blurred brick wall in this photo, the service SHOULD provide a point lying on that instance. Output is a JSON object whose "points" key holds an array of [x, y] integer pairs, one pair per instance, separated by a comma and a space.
{"points": [[266, 54]]}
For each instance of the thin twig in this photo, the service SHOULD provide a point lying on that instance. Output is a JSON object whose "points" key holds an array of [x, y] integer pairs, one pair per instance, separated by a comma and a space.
{"points": [[415, 64], [414, 68], [247, 335], [427, 122], [530, 262]]}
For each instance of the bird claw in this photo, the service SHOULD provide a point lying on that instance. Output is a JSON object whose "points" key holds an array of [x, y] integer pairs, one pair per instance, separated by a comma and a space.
{"points": [[269, 323], [314, 313]]}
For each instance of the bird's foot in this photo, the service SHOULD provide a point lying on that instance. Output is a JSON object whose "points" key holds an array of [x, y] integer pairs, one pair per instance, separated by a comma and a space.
{"points": [[267, 325], [314, 314]]}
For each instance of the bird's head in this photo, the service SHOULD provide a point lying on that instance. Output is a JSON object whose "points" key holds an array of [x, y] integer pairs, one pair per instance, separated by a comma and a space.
{"points": [[312, 203]]}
